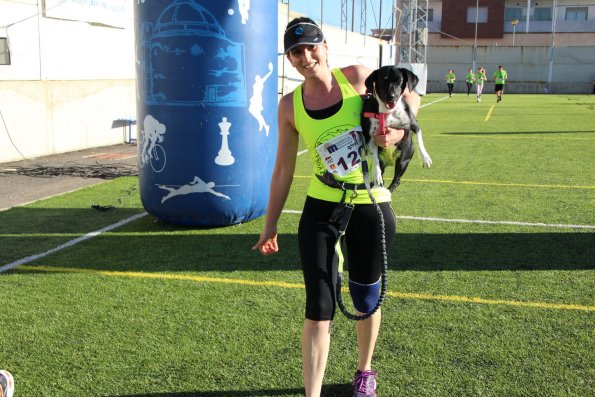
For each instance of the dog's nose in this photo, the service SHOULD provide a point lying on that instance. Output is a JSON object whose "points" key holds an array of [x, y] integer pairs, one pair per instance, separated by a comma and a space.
{"points": [[390, 98]]}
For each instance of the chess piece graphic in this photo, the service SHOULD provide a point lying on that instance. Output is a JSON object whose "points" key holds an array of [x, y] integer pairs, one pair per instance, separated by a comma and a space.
{"points": [[224, 157]]}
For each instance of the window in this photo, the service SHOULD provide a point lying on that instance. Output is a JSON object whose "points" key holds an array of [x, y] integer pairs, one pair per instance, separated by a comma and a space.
{"points": [[542, 14], [510, 14], [4, 51], [430, 15], [576, 13], [481, 12]]}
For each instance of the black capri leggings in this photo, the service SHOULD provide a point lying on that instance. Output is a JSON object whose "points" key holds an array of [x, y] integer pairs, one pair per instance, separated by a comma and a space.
{"points": [[364, 259]]}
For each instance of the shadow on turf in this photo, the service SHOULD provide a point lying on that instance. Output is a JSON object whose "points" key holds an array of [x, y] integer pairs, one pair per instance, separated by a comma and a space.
{"points": [[336, 390], [494, 251], [413, 251], [155, 247]]}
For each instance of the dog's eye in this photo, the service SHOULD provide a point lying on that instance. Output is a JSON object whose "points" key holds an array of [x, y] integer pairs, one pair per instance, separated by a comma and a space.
{"points": [[385, 77]]}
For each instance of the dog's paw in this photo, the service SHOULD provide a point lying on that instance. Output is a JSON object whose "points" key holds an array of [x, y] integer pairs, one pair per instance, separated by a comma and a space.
{"points": [[427, 161]]}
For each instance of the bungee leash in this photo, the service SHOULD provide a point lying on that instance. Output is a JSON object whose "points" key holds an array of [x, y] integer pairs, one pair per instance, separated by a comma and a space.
{"points": [[340, 217]]}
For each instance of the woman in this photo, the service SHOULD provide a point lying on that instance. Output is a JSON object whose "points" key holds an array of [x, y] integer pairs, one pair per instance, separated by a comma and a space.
{"points": [[469, 79], [326, 105], [480, 78], [450, 81]]}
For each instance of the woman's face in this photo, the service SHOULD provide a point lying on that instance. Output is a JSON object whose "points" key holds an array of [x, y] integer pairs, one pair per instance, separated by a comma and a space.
{"points": [[309, 60]]}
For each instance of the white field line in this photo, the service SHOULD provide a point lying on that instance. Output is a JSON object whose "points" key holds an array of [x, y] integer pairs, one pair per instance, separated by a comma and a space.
{"points": [[70, 243], [479, 221], [431, 103]]}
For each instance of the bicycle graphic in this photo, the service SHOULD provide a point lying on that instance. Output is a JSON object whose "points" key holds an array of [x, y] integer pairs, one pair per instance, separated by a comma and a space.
{"points": [[152, 152], [157, 158]]}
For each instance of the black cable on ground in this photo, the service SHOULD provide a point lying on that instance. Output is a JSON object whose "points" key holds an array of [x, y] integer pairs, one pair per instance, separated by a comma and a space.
{"points": [[102, 171]]}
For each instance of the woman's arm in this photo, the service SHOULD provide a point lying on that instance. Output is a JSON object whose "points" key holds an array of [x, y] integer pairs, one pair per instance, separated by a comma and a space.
{"points": [[282, 176]]}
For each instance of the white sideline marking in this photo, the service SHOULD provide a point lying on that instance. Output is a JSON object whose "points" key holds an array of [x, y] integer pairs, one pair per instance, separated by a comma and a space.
{"points": [[437, 100], [71, 243], [529, 224], [561, 225]]}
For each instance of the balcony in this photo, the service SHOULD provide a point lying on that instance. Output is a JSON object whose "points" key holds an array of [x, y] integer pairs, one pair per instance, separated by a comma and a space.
{"points": [[546, 27]]}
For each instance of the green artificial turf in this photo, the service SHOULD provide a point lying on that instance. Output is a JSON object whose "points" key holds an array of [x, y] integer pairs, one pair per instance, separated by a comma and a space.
{"points": [[491, 280]]}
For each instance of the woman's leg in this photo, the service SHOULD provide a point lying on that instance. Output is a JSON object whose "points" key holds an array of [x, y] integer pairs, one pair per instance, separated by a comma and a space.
{"points": [[316, 240], [367, 335], [365, 258], [316, 338]]}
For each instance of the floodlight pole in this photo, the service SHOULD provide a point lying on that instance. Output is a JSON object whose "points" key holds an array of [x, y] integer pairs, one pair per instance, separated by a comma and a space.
{"points": [[551, 68], [528, 16], [514, 23], [379, 17], [475, 39]]}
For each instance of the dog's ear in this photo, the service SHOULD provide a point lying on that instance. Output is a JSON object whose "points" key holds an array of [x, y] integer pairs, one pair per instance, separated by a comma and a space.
{"points": [[411, 78], [370, 83]]}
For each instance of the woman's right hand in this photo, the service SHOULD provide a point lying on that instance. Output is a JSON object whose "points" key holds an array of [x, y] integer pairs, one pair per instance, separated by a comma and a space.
{"points": [[267, 244]]}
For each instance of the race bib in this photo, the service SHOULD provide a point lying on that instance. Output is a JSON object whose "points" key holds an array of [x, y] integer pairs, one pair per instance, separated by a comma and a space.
{"points": [[342, 154]]}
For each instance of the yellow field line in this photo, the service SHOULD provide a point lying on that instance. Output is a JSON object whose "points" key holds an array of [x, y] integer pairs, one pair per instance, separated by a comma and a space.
{"points": [[497, 136], [483, 183], [465, 299], [489, 113], [281, 284]]}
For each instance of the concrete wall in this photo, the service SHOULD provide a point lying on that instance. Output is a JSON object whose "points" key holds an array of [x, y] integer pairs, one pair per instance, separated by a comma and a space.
{"points": [[66, 84]]}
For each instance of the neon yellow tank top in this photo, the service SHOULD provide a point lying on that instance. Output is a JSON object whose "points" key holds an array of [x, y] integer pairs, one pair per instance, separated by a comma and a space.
{"points": [[314, 132]]}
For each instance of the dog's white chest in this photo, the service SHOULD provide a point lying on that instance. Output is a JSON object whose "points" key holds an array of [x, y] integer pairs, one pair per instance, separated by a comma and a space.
{"points": [[398, 118]]}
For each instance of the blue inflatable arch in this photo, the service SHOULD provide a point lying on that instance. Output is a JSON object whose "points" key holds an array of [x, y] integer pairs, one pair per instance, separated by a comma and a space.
{"points": [[206, 109]]}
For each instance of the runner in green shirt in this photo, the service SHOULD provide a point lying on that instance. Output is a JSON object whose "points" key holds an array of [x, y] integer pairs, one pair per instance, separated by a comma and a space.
{"points": [[450, 81], [500, 76], [480, 78], [469, 79]]}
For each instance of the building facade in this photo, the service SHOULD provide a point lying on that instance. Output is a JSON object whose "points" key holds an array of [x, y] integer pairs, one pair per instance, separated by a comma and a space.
{"points": [[547, 46]]}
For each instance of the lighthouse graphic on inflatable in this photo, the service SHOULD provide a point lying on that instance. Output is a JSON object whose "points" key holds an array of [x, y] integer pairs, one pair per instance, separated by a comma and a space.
{"points": [[189, 61]]}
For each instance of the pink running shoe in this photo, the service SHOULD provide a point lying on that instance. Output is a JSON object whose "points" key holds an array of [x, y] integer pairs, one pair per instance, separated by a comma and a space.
{"points": [[364, 384]]}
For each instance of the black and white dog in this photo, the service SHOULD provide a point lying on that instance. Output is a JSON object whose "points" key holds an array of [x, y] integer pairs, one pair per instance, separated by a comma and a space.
{"points": [[383, 107]]}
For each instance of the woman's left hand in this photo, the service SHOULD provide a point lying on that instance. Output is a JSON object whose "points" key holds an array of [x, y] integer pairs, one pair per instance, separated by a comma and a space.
{"points": [[390, 137]]}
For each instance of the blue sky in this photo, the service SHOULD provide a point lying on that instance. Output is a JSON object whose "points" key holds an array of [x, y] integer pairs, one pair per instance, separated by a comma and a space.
{"points": [[331, 12]]}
